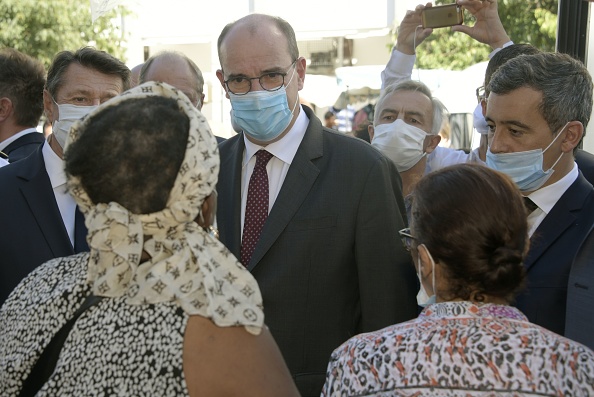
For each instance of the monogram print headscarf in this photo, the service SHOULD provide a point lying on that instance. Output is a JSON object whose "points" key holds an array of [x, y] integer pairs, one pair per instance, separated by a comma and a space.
{"points": [[187, 265]]}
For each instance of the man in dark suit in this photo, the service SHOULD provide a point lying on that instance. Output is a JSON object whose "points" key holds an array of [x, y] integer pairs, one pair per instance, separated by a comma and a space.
{"points": [[21, 103], [313, 214], [178, 70], [579, 323], [538, 110], [39, 218]]}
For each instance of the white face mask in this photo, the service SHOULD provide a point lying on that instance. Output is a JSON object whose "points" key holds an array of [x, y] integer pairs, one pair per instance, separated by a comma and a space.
{"points": [[478, 120], [67, 115], [423, 299], [400, 142]]}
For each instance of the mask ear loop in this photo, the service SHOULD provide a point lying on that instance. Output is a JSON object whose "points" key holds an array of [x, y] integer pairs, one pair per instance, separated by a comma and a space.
{"points": [[415, 50]]}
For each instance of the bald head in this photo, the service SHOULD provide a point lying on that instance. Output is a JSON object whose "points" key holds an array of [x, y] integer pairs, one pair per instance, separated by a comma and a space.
{"points": [[135, 75], [254, 23], [177, 70]]}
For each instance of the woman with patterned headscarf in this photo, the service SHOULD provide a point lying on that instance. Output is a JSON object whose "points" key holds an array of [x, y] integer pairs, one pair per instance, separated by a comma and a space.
{"points": [[159, 306]]}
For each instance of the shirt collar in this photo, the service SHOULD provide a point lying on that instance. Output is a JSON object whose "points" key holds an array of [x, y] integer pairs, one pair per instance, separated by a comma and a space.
{"points": [[546, 197], [54, 166], [470, 309], [16, 136], [286, 147]]}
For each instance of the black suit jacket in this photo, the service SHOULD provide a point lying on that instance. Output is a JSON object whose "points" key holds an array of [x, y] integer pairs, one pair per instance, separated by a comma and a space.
{"points": [[585, 162], [32, 230], [553, 247], [24, 146], [329, 261], [579, 323]]}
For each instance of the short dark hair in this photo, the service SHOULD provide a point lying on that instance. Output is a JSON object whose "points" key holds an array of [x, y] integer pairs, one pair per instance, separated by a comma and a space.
{"points": [[565, 84], [88, 57], [131, 153], [254, 21], [472, 220], [328, 115], [504, 55], [22, 79]]}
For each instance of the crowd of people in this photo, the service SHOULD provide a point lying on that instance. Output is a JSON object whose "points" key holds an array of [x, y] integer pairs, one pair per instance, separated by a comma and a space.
{"points": [[143, 255]]}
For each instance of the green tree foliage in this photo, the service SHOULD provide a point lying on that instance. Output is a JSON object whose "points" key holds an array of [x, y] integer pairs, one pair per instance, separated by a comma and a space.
{"points": [[42, 28], [526, 21]]}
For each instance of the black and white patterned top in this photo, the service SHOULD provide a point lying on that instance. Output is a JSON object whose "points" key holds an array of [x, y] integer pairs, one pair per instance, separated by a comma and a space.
{"points": [[113, 349]]}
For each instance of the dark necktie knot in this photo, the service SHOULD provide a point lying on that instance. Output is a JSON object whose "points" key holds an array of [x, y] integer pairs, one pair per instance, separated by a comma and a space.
{"points": [[262, 158], [530, 205]]}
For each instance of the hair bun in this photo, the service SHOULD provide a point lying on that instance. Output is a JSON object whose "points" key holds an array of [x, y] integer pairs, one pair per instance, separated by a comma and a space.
{"points": [[505, 269]]}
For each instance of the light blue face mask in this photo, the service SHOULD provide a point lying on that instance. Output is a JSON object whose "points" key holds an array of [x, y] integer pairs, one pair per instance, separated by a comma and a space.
{"points": [[524, 168], [262, 115]]}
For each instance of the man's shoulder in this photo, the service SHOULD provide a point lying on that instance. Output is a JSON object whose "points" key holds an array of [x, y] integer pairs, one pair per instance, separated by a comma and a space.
{"points": [[350, 146]]}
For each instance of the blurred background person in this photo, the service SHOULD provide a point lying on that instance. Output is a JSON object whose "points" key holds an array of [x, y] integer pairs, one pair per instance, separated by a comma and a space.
{"points": [[330, 120], [468, 236], [21, 104], [163, 307]]}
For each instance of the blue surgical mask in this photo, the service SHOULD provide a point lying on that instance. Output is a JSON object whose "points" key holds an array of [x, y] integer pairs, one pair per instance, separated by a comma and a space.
{"points": [[524, 168], [262, 115]]}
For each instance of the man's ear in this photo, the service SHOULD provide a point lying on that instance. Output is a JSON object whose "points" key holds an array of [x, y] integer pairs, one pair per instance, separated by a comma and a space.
{"points": [[221, 78], [573, 136], [371, 131], [301, 66], [484, 107], [48, 106], [431, 142], [6, 108]]}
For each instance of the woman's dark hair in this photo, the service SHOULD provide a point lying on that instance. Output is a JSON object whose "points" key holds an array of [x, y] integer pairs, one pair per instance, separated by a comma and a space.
{"points": [[131, 153], [473, 222]]}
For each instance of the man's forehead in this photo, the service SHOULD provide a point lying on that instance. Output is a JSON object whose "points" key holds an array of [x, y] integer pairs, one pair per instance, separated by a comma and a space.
{"points": [[81, 79], [407, 101]]}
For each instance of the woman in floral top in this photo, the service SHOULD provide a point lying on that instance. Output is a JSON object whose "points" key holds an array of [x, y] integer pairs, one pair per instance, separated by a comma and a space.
{"points": [[468, 239]]}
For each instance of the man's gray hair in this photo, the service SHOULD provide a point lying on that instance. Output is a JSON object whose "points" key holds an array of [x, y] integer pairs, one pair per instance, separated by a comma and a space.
{"points": [[439, 109]]}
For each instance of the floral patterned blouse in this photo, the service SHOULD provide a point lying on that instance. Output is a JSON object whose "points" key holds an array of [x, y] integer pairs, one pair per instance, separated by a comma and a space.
{"points": [[461, 349]]}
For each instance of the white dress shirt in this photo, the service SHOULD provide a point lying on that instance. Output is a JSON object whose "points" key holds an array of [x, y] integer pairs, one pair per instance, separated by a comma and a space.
{"points": [[16, 136], [55, 170], [283, 152], [3, 162], [547, 197]]}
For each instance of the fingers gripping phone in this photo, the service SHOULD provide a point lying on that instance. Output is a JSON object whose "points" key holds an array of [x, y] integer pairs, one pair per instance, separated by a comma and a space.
{"points": [[441, 16]]}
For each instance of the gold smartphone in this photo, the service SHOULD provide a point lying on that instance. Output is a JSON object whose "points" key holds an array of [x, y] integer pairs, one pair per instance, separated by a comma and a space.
{"points": [[442, 16]]}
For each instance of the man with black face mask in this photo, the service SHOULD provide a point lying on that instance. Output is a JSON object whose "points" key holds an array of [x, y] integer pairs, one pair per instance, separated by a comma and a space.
{"points": [[312, 213]]}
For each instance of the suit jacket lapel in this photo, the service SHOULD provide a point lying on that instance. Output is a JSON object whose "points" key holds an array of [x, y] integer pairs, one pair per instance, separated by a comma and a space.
{"points": [[229, 197], [298, 182], [38, 194], [562, 216]]}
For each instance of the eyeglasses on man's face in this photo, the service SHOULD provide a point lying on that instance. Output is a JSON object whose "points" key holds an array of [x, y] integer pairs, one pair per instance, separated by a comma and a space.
{"points": [[407, 238], [480, 93], [271, 81]]}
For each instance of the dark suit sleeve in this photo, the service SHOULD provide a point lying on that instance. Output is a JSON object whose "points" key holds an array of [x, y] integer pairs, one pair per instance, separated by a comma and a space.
{"points": [[387, 280]]}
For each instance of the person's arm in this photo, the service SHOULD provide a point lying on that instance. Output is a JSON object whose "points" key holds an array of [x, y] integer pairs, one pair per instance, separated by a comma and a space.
{"points": [[229, 361], [488, 28], [402, 59]]}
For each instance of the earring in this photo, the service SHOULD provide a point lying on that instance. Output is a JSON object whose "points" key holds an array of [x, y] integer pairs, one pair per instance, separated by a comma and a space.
{"points": [[212, 232]]}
